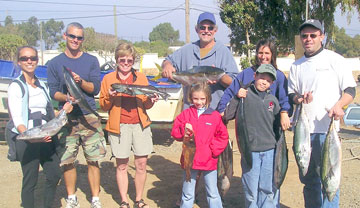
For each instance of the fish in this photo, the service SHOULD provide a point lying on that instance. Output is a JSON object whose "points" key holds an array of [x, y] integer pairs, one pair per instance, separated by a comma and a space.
{"points": [[133, 90], [188, 152], [198, 74], [76, 92], [225, 170], [331, 162], [242, 136], [302, 142], [48, 129], [281, 159]]}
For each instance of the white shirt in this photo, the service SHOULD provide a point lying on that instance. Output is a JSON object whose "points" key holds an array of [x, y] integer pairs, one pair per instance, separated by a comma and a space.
{"points": [[326, 75], [37, 102]]}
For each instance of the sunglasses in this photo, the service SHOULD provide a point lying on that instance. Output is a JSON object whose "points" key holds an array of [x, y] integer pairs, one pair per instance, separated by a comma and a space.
{"points": [[210, 28], [129, 61], [305, 36], [25, 58], [71, 36]]}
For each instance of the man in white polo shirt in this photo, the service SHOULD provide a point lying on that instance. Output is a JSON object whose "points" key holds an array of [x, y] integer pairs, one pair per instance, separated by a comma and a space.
{"points": [[322, 80]]}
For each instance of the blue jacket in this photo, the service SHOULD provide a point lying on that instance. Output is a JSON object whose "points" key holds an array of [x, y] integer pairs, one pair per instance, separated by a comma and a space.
{"points": [[220, 56], [279, 89]]}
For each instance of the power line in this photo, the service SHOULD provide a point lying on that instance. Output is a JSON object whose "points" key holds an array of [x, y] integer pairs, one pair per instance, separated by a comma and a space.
{"points": [[82, 4], [56, 11], [176, 8]]}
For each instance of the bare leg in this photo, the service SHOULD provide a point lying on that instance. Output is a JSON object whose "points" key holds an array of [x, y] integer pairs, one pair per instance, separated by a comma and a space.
{"points": [[140, 176], [94, 178], [70, 178], [122, 178]]}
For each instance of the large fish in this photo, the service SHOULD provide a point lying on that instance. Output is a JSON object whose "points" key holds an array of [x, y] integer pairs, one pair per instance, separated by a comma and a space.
{"points": [[331, 162], [48, 129], [198, 74], [188, 152], [281, 155], [242, 136], [133, 90], [302, 141], [76, 92], [225, 169]]}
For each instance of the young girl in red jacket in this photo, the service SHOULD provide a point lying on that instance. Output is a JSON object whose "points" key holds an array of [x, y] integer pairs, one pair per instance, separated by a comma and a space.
{"points": [[211, 137]]}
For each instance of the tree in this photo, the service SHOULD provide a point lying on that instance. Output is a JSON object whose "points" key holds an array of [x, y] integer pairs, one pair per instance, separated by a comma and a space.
{"points": [[52, 33], [30, 31], [164, 32], [345, 45], [9, 44]]}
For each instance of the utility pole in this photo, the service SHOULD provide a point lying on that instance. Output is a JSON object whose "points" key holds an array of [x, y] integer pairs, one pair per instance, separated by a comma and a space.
{"points": [[115, 25], [307, 10], [187, 14], [41, 43]]}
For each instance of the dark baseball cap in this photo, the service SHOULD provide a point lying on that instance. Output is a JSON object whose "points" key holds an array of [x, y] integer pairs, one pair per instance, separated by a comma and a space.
{"points": [[206, 16], [313, 23], [267, 68]]}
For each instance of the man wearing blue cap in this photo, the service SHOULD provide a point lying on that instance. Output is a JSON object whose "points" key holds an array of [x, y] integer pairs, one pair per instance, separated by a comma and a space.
{"points": [[323, 83], [204, 52]]}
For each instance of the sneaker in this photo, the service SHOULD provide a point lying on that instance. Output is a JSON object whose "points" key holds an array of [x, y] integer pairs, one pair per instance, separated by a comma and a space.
{"points": [[95, 204], [71, 203]]}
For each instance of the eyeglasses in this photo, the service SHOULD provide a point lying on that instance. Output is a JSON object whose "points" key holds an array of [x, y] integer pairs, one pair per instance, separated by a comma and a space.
{"points": [[210, 28], [305, 36], [71, 36], [25, 58], [129, 61]]}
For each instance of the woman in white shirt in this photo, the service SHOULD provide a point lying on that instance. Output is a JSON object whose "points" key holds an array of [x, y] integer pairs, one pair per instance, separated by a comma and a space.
{"points": [[30, 106]]}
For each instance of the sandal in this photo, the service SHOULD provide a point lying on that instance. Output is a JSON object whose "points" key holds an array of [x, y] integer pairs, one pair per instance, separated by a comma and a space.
{"points": [[124, 204], [137, 204]]}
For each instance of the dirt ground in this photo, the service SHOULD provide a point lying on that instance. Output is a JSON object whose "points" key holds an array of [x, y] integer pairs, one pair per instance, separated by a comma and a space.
{"points": [[163, 184]]}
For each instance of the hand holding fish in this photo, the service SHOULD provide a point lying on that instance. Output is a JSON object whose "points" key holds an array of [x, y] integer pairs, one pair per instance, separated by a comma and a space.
{"points": [[242, 93], [188, 130], [112, 92], [76, 77], [154, 98], [46, 139], [306, 98], [68, 107], [284, 120], [168, 69], [336, 111]]}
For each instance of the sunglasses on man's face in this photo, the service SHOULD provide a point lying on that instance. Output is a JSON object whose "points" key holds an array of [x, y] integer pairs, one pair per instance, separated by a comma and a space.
{"points": [[25, 58], [129, 61], [71, 36], [305, 36], [210, 28]]}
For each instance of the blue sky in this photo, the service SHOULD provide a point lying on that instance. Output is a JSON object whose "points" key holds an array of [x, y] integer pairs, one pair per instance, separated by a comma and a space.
{"points": [[136, 18]]}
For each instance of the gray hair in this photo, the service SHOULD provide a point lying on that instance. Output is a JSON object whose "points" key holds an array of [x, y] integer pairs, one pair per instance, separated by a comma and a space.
{"points": [[74, 24]]}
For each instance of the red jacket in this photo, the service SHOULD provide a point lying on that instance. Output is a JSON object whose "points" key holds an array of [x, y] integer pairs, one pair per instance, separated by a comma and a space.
{"points": [[211, 136]]}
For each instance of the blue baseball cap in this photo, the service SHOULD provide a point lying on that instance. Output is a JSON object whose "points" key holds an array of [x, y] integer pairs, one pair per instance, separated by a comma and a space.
{"points": [[206, 16]]}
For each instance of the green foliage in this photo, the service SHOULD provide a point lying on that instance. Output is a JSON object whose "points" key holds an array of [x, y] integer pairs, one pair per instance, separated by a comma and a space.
{"points": [[30, 31], [158, 46], [164, 32], [52, 33], [9, 44], [345, 45], [244, 62]]}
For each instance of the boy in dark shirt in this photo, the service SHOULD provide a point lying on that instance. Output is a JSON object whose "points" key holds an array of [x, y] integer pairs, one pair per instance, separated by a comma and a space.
{"points": [[261, 109]]}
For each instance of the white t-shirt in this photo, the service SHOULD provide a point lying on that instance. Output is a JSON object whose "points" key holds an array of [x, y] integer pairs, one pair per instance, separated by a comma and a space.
{"points": [[37, 102], [326, 75]]}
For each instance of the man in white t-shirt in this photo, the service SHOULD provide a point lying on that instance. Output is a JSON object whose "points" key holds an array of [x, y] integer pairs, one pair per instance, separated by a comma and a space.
{"points": [[322, 80]]}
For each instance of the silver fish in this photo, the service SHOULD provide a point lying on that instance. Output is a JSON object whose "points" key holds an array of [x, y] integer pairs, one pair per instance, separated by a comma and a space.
{"points": [[76, 92], [331, 162], [133, 90], [198, 74], [302, 142], [49, 129], [225, 170]]}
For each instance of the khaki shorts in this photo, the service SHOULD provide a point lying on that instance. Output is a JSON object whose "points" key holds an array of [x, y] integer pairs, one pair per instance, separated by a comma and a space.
{"points": [[132, 137], [85, 131]]}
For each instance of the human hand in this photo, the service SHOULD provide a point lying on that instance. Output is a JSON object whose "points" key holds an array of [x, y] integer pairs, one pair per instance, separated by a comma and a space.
{"points": [[112, 92], [308, 97], [211, 82], [47, 139], [241, 93], [336, 111], [168, 69], [76, 77], [188, 130], [68, 107], [154, 98], [284, 120]]}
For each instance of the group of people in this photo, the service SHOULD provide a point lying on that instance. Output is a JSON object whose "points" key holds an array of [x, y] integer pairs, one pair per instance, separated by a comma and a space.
{"points": [[319, 80]]}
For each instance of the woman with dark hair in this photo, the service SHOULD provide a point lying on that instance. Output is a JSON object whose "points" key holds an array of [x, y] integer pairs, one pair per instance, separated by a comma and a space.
{"points": [[30, 106], [265, 54]]}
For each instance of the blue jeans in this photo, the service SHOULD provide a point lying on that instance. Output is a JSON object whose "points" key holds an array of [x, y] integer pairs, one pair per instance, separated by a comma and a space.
{"points": [[212, 193], [258, 181], [313, 195]]}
